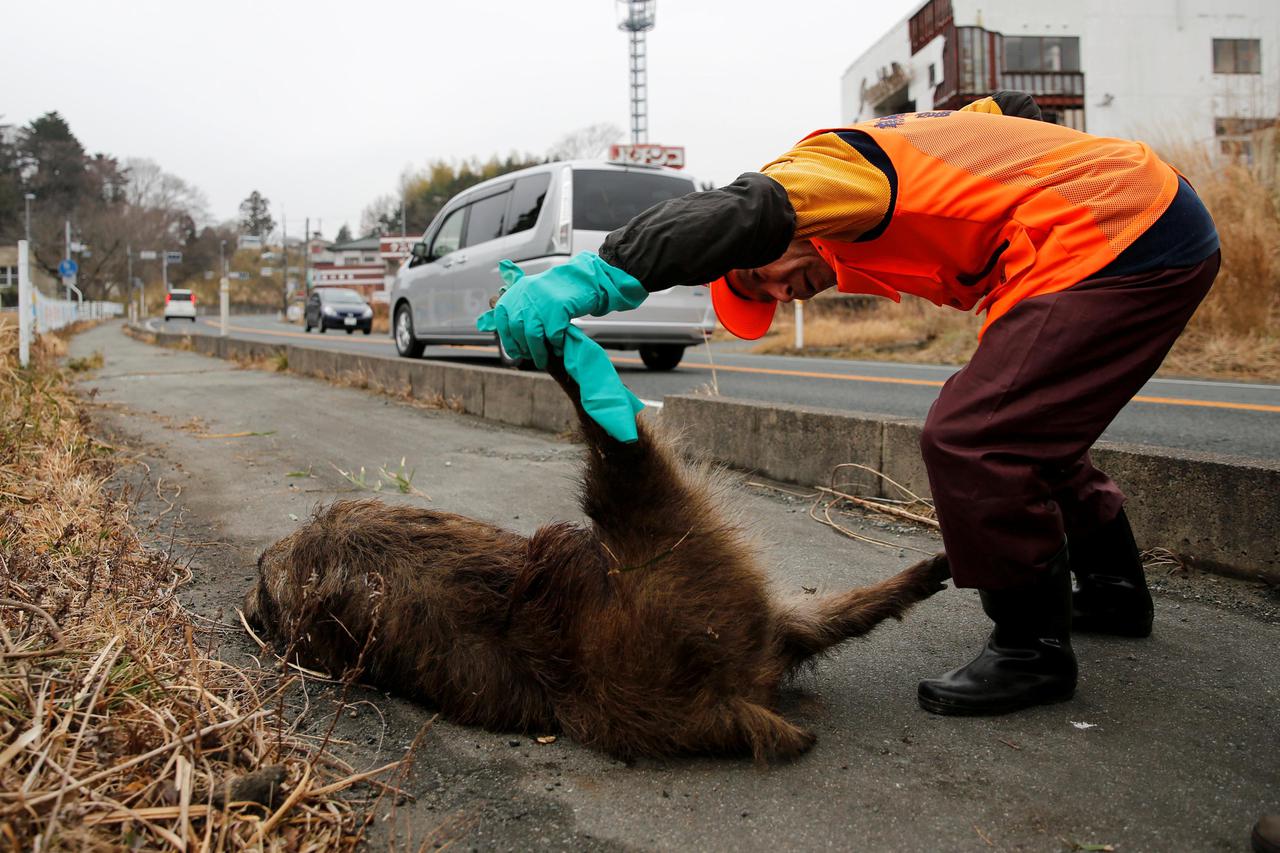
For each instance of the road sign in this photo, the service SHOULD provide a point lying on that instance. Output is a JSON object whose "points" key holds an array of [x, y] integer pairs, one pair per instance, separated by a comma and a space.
{"points": [[67, 268], [238, 276], [649, 155], [173, 257], [147, 256]]}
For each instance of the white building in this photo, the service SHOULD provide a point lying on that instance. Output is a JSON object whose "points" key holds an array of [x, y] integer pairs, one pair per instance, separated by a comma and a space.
{"points": [[1164, 70]]}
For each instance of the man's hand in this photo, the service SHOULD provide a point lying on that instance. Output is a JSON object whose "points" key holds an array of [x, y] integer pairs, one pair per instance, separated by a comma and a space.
{"points": [[534, 311], [532, 317]]}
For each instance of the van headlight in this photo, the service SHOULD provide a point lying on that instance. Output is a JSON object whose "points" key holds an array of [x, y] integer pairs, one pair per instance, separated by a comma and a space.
{"points": [[367, 312], [329, 310]]}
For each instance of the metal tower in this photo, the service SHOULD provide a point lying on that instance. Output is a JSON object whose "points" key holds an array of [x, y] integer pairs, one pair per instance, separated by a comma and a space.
{"points": [[636, 17]]}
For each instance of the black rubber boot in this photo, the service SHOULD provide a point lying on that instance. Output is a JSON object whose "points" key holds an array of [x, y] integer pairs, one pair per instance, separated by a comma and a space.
{"points": [[1028, 659], [1111, 595]]}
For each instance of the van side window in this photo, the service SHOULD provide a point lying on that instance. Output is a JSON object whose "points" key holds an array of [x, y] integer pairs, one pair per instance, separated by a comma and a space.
{"points": [[449, 237], [526, 202], [485, 222]]}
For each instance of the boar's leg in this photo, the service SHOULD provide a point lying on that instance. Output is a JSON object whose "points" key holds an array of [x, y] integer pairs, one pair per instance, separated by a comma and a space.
{"points": [[811, 627], [746, 727], [637, 494]]}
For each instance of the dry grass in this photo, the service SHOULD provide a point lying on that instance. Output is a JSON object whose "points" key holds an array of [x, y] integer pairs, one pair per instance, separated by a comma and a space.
{"points": [[864, 327], [381, 318], [119, 726], [1236, 332], [1234, 335]]}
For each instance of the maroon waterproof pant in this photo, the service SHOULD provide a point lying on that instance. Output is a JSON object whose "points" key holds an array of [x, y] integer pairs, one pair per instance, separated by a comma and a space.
{"points": [[1007, 441]]}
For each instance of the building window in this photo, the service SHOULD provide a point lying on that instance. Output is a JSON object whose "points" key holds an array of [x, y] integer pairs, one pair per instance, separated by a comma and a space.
{"points": [[1041, 53], [8, 287], [933, 74], [1237, 56], [928, 23], [1236, 135]]}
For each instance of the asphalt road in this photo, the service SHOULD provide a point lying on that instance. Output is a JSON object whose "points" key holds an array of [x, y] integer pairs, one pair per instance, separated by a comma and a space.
{"points": [[1169, 745], [1221, 417]]}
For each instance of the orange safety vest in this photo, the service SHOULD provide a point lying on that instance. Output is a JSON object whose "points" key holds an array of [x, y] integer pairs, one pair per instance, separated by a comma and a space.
{"points": [[995, 209]]}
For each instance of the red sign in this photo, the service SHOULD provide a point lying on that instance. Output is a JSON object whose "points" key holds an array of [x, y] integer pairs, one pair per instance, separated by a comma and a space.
{"points": [[396, 248], [671, 156]]}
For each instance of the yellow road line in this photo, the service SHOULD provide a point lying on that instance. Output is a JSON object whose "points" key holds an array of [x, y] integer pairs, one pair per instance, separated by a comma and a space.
{"points": [[811, 374], [283, 334], [1208, 404], [853, 377], [805, 374]]}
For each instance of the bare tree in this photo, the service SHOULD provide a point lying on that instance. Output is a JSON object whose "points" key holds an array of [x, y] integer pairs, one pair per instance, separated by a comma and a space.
{"points": [[585, 143], [381, 216], [149, 186]]}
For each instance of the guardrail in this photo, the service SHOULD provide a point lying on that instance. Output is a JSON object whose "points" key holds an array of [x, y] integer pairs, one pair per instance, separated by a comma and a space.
{"points": [[1218, 512], [52, 314]]}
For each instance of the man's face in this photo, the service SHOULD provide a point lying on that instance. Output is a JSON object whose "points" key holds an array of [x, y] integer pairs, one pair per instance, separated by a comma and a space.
{"points": [[800, 273]]}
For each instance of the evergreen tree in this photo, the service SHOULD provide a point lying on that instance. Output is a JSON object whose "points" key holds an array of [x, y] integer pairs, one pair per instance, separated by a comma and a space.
{"points": [[55, 164], [255, 215], [12, 212]]}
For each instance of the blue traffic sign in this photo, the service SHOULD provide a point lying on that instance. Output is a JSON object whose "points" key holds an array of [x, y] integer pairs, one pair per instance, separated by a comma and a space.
{"points": [[67, 268]]}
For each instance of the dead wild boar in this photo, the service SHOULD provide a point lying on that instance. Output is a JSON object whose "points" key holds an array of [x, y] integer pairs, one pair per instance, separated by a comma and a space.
{"points": [[649, 632]]}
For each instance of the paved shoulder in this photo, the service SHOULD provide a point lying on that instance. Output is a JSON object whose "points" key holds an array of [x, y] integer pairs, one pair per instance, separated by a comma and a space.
{"points": [[1169, 745]]}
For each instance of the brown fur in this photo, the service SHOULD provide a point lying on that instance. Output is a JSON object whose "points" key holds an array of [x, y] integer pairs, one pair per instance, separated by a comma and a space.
{"points": [[650, 632]]}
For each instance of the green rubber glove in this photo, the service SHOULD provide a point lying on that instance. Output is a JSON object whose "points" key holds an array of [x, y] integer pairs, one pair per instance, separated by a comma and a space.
{"points": [[609, 402], [533, 318], [534, 311]]}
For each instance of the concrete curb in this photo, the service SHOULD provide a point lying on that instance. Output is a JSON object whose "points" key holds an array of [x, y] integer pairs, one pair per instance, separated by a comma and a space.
{"points": [[1220, 513], [508, 396]]}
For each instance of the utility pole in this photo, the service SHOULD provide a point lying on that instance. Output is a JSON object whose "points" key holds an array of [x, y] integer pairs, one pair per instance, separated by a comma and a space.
{"points": [[164, 269], [30, 197], [128, 276], [66, 254], [306, 257], [224, 290], [284, 248]]}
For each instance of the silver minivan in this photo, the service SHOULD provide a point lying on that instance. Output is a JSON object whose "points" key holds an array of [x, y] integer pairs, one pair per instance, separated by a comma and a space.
{"points": [[539, 217]]}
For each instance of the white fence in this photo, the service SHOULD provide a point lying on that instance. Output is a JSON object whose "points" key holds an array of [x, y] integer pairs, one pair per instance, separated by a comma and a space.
{"points": [[51, 314], [39, 313]]}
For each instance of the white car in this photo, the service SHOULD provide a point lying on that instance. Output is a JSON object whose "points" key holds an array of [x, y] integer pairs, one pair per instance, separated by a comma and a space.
{"points": [[540, 217], [180, 303]]}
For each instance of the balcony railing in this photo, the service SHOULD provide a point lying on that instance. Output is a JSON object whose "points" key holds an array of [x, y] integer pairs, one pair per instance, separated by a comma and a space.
{"points": [[1037, 83]]}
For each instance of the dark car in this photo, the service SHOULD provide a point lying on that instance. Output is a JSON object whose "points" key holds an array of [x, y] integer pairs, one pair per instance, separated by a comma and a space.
{"points": [[336, 308]]}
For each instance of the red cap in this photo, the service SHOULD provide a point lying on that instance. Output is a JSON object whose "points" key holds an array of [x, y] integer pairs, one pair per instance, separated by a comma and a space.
{"points": [[749, 319]]}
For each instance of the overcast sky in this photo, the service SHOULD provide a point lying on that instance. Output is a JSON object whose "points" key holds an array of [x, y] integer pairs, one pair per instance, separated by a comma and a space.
{"points": [[321, 105]]}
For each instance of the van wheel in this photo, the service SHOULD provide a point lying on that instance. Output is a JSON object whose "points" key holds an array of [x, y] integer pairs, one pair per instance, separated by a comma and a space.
{"points": [[508, 360], [662, 356], [406, 344]]}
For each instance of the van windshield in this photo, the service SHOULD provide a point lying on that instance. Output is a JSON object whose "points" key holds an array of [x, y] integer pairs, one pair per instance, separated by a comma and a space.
{"points": [[605, 200]]}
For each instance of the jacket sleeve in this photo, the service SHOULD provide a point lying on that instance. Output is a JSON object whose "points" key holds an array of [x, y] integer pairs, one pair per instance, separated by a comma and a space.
{"points": [[835, 188], [699, 237], [1006, 102]]}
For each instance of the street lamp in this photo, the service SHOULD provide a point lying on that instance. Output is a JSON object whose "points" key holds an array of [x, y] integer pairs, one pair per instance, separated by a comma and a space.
{"points": [[30, 197]]}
